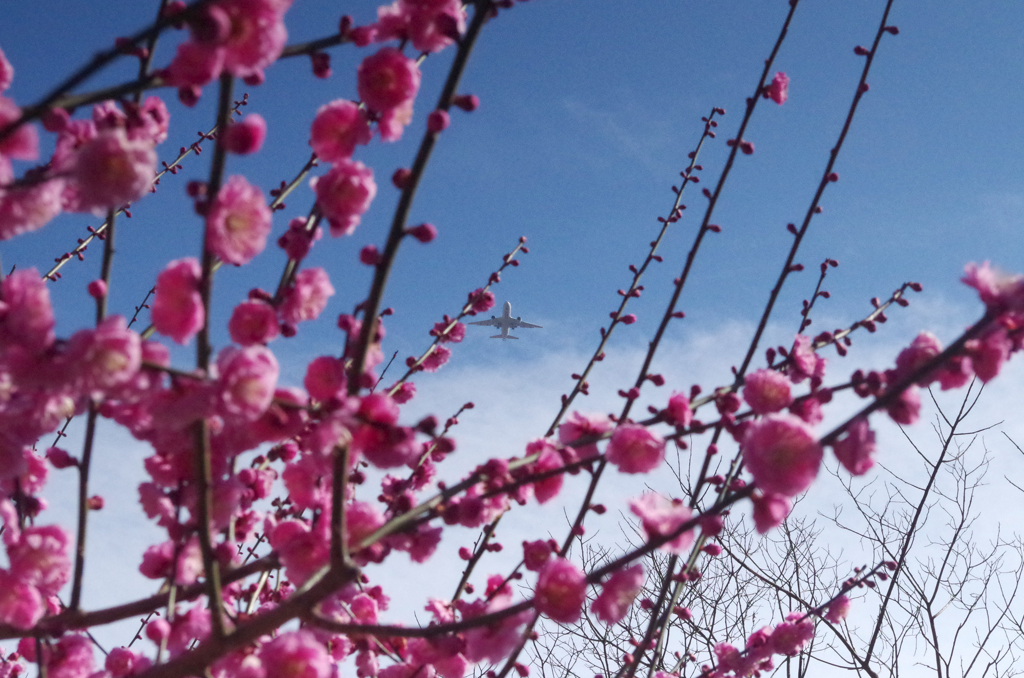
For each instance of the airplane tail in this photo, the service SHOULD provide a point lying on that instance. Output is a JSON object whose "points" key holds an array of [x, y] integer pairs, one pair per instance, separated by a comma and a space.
{"points": [[500, 336]]}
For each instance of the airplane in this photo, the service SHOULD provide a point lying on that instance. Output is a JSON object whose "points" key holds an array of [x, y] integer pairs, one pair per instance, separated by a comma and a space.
{"points": [[506, 322]]}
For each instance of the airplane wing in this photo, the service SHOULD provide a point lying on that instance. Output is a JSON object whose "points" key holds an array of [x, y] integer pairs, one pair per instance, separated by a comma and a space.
{"points": [[531, 326], [494, 322]]}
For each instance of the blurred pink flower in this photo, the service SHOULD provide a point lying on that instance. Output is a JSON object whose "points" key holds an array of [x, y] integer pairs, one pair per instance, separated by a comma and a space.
{"points": [[561, 591], [248, 377], [296, 654], [856, 449], [110, 170], [767, 391], [337, 129], [325, 378], [634, 449], [782, 453], [307, 296], [177, 307], [769, 510], [238, 222], [344, 194], [246, 136], [387, 80], [618, 593], [661, 517], [253, 322]]}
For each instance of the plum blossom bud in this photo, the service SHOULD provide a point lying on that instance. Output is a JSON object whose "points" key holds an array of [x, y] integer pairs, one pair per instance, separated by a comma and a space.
{"points": [[467, 102], [438, 121], [369, 255], [778, 91], [424, 232], [60, 458], [246, 136], [97, 289], [95, 502], [321, 64], [401, 177]]}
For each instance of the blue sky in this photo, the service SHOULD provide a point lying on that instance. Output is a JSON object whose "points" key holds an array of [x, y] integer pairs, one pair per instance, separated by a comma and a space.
{"points": [[588, 110]]}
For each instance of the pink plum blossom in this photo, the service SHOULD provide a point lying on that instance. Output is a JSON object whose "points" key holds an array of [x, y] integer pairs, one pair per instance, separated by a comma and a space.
{"points": [[307, 296], [481, 300], [778, 90], [21, 605], [296, 654], [548, 459], [577, 426], [246, 136], [561, 591], [325, 378], [195, 65], [769, 511], [618, 593], [536, 554], [838, 609], [998, 290], [22, 143], [112, 170], [248, 377], [634, 449], [856, 449], [661, 517], [805, 362], [678, 410], [344, 194], [28, 208], [792, 635], [303, 551], [238, 222], [767, 391], [26, 317], [782, 453], [71, 657], [39, 558], [6, 72], [436, 359], [431, 25], [387, 80], [337, 129], [905, 408], [109, 356], [989, 353], [924, 347], [253, 322], [177, 307]]}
